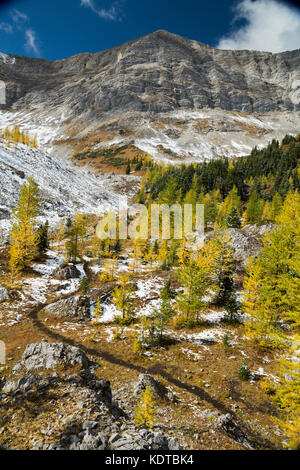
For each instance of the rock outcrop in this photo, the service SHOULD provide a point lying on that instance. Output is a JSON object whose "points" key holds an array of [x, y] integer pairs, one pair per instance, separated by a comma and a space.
{"points": [[74, 412], [226, 423], [246, 242], [46, 355], [76, 307], [4, 295], [147, 380], [160, 72], [66, 272]]}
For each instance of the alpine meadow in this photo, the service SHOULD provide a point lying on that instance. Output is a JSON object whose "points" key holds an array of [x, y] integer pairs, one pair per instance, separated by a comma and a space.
{"points": [[150, 229]]}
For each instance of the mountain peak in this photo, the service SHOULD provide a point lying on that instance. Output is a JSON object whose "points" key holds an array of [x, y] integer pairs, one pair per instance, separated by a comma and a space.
{"points": [[165, 37], [164, 34], [158, 74]]}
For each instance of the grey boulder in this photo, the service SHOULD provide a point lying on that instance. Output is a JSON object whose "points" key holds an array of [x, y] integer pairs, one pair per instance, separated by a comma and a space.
{"points": [[4, 295], [66, 271], [46, 355], [24, 384], [77, 307], [143, 381]]}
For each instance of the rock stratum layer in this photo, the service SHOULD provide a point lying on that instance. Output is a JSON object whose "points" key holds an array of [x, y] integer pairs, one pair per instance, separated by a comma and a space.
{"points": [[173, 96]]}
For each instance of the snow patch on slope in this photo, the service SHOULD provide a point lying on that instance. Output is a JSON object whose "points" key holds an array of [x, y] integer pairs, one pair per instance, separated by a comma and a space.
{"points": [[201, 135], [42, 123], [223, 134], [65, 189], [5, 59]]}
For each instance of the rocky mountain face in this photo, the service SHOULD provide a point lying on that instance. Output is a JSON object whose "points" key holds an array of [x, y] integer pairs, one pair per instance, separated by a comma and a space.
{"points": [[64, 188], [173, 96]]}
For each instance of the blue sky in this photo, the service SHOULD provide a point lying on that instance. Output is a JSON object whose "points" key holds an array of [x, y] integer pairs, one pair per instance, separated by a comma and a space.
{"points": [[60, 28]]}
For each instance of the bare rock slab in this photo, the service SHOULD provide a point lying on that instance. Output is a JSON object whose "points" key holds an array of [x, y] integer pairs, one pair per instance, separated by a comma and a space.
{"points": [[143, 381], [46, 355], [66, 272], [76, 307], [4, 295]]}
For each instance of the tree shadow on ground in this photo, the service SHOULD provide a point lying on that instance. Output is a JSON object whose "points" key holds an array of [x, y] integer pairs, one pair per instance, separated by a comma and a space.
{"points": [[255, 439]]}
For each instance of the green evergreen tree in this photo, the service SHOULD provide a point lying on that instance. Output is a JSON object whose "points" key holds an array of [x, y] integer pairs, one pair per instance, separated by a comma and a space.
{"points": [[128, 168], [84, 285], [43, 237], [255, 207], [165, 313], [233, 219], [118, 246]]}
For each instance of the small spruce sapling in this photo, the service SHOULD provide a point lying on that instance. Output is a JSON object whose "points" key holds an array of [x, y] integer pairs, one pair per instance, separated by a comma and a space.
{"points": [[226, 341], [244, 372], [84, 286], [43, 237]]}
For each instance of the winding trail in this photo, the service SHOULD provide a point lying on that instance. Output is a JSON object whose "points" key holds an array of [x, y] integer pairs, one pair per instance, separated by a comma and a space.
{"points": [[255, 440]]}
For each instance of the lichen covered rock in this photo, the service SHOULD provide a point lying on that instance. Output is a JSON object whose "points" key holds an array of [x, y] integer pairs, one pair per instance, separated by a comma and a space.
{"points": [[46, 355]]}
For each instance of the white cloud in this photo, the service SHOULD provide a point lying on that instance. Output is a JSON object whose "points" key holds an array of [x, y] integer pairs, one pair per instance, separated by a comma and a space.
{"points": [[113, 13], [6, 27], [18, 16], [270, 26], [18, 19], [31, 44]]}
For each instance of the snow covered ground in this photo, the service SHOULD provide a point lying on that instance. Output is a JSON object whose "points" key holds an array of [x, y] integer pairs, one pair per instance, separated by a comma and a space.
{"points": [[194, 136], [201, 135], [48, 267], [147, 294], [65, 189], [34, 290], [224, 134]]}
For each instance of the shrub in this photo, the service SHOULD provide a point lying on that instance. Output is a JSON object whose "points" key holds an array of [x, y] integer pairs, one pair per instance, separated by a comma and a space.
{"points": [[123, 321], [226, 340], [244, 371], [137, 347], [181, 322], [84, 285], [117, 334]]}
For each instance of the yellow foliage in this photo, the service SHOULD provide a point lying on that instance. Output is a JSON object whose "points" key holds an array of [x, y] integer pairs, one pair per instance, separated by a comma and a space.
{"points": [[122, 297], [291, 428], [259, 328], [17, 136], [98, 312], [24, 237], [145, 410], [163, 252], [60, 233], [150, 256], [108, 273], [75, 236], [183, 253], [137, 346]]}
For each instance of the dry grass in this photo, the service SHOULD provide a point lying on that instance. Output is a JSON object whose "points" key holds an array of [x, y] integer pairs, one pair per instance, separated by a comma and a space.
{"points": [[208, 382], [187, 377]]}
